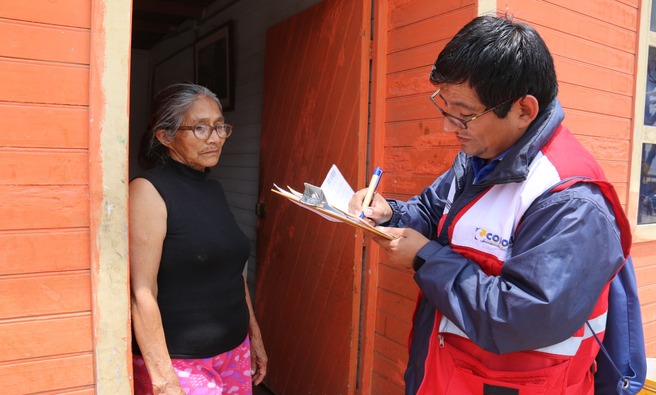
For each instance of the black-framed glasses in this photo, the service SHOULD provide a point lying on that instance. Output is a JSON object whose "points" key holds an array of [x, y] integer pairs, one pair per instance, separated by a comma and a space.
{"points": [[459, 122], [203, 131]]}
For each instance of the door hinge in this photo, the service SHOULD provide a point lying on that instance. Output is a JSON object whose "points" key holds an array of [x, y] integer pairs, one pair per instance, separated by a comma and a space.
{"points": [[260, 210]]}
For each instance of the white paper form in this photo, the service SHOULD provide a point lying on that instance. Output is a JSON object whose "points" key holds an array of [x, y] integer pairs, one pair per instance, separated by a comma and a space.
{"points": [[330, 201], [337, 190]]}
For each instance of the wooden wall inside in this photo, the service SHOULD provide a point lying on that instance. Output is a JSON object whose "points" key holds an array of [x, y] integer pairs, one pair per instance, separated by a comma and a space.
{"points": [[594, 48], [173, 59], [46, 341]]}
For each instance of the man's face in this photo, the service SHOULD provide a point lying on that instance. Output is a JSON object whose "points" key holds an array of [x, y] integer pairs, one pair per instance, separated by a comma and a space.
{"points": [[487, 136]]}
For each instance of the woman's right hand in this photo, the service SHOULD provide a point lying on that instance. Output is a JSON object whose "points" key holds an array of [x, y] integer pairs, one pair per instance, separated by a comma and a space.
{"points": [[168, 390], [378, 212]]}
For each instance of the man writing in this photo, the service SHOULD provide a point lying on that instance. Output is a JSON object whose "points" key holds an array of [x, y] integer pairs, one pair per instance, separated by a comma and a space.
{"points": [[516, 246]]}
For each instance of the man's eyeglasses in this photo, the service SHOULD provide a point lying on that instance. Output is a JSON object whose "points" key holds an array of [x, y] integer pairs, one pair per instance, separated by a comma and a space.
{"points": [[459, 122], [203, 131]]}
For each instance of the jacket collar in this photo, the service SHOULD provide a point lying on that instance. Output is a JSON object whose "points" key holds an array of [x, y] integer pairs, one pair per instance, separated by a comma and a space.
{"points": [[515, 165]]}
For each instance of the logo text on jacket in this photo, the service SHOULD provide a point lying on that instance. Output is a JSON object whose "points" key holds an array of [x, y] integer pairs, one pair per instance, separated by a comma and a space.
{"points": [[490, 238]]}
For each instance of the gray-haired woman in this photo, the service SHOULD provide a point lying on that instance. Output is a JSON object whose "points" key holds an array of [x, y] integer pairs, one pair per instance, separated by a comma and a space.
{"points": [[192, 317]]}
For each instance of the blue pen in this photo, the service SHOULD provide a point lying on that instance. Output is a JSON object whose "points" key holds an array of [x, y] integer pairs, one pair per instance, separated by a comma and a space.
{"points": [[373, 184]]}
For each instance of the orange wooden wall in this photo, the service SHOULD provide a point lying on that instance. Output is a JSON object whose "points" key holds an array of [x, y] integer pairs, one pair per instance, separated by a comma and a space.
{"points": [[414, 151], [594, 44], [45, 298]]}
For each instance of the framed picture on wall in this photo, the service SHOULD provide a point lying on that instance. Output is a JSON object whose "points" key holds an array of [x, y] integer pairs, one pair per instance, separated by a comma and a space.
{"points": [[214, 64]]}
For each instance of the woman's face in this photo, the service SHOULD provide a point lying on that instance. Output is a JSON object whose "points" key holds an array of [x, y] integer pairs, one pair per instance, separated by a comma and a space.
{"points": [[189, 150]]}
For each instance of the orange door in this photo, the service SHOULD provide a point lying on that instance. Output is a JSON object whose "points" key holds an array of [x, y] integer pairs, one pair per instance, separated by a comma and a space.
{"points": [[309, 269]]}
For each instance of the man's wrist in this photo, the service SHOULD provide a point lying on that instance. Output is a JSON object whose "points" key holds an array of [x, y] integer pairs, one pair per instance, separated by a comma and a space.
{"points": [[394, 217], [425, 253]]}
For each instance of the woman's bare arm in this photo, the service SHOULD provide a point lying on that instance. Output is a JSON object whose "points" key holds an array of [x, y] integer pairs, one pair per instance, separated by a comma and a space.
{"points": [[147, 231]]}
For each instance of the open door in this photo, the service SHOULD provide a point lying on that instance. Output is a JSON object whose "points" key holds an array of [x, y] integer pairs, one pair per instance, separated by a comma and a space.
{"points": [[309, 270]]}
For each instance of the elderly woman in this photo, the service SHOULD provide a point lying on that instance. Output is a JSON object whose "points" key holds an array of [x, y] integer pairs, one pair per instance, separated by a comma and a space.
{"points": [[193, 322]]}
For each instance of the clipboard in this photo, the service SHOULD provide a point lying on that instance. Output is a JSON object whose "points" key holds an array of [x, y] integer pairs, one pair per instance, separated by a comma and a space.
{"points": [[316, 199]]}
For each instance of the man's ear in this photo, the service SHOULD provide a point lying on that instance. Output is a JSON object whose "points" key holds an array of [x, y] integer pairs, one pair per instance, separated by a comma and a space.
{"points": [[163, 138], [529, 108]]}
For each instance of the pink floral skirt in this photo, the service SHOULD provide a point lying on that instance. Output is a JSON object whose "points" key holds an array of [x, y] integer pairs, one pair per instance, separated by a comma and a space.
{"points": [[225, 374]]}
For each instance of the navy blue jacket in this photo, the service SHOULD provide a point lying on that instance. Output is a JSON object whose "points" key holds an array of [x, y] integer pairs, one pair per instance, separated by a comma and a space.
{"points": [[560, 302]]}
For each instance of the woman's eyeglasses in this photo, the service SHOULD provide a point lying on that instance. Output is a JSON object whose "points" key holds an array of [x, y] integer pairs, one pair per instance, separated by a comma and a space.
{"points": [[203, 131]]}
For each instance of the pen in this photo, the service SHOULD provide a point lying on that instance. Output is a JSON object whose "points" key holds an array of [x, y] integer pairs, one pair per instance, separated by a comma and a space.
{"points": [[373, 184]]}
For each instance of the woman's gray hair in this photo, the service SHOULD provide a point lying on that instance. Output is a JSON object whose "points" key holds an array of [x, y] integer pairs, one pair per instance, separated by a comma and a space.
{"points": [[168, 110]]}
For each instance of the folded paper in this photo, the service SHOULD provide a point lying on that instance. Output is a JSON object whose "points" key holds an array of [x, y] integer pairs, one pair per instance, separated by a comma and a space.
{"points": [[330, 201]]}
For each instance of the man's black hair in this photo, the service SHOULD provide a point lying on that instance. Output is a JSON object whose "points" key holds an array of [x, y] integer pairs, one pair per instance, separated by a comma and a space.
{"points": [[501, 60]]}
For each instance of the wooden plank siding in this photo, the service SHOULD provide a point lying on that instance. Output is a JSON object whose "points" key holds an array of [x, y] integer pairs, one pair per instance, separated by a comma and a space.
{"points": [[413, 151], [594, 44], [644, 256], [39, 131], [66, 374], [46, 341]]}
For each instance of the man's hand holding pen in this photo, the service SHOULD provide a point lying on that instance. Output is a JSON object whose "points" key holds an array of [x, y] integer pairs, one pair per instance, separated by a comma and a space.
{"points": [[373, 208], [378, 211], [369, 205]]}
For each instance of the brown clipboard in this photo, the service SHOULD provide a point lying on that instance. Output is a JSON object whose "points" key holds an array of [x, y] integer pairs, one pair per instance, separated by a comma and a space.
{"points": [[337, 215]]}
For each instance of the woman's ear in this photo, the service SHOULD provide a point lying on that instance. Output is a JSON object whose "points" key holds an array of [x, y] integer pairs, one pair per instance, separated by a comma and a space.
{"points": [[163, 138], [529, 108]]}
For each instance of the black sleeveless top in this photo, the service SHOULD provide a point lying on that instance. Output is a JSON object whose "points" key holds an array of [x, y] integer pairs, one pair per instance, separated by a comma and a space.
{"points": [[201, 293]]}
